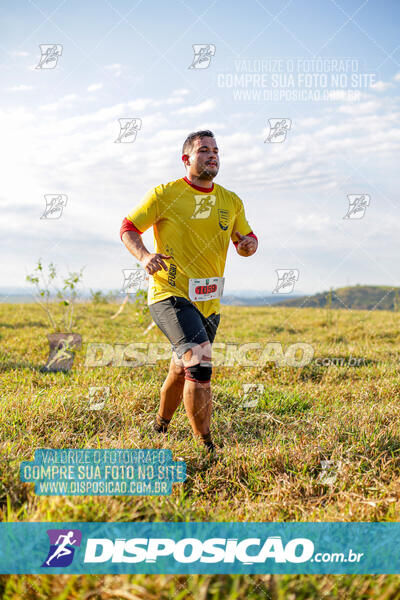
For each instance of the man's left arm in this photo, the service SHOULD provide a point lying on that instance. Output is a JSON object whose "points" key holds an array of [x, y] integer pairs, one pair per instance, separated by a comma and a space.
{"points": [[247, 244], [242, 236]]}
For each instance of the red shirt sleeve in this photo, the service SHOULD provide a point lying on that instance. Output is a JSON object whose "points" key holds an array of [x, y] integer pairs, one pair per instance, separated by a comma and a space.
{"points": [[251, 234], [128, 226]]}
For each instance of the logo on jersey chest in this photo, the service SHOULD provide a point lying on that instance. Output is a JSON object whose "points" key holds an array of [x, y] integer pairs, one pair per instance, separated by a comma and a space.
{"points": [[204, 204], [223, 218]]}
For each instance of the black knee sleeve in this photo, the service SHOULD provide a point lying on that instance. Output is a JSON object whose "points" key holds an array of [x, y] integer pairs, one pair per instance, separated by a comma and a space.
{"points": [[198, 373]]}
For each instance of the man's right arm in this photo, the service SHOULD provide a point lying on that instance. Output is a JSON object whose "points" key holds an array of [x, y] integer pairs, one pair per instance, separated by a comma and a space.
{"points": [[133, 242], [143, 216]]}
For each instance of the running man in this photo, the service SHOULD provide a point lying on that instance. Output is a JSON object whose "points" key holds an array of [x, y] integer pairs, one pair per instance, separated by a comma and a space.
{"points": [[193, 220], [62, 550]]}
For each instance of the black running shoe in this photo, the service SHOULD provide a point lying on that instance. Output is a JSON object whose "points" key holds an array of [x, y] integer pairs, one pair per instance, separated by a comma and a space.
{"points": [[161, 425]]}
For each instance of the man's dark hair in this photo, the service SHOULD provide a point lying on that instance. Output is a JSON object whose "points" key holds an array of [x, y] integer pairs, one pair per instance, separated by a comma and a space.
{"points": [[188, 143]]}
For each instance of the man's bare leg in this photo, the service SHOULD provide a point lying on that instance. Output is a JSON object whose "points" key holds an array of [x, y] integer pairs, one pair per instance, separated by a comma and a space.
{"points": [[197, 396], [171, 394], [172, 390], [198, 405]]}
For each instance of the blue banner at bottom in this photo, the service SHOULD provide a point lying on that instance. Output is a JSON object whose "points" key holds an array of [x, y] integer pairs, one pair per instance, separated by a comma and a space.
{"points": [[199, 548]]}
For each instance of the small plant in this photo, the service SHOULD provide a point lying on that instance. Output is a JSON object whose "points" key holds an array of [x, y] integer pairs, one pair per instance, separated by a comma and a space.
{"points": [[66, 294], [99, 297], [141, 306], [329, 307], [142, 311], [396, 301]]}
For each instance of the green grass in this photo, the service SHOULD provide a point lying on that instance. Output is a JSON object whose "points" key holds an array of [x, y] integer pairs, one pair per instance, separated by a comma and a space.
{"points": [[268, 468]]}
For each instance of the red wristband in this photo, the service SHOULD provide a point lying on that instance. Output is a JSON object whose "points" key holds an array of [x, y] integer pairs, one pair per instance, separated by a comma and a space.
{"points": [[251, 234]]}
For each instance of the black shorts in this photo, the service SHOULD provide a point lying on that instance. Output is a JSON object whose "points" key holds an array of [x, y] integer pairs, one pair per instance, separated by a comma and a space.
{"points": [[183, 323]]}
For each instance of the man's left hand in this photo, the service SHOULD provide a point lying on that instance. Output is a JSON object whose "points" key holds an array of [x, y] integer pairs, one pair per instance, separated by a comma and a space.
{"points": [[247, 245]]}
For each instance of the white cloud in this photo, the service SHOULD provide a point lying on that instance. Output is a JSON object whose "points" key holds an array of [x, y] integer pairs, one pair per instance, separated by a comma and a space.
{"points": [[63, 102], [18, 53], [397, 77], [381, 86], [178, 96], [20, 88], [94, 87], [115, 68], [76, 155], [360, 108], [197, 109], [312, 223], [181, 92], [215, 126]]}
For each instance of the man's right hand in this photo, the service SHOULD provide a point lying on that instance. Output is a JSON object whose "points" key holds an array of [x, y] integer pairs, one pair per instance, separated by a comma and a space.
{"points": [[154, 262]]}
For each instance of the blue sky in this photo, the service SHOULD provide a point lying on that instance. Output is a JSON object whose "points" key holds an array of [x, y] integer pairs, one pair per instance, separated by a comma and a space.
{"points": [[131, 59]]}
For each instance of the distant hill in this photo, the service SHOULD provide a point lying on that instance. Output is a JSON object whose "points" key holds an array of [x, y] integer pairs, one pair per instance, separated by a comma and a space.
{"points": [[358, 297], [260, 299]]}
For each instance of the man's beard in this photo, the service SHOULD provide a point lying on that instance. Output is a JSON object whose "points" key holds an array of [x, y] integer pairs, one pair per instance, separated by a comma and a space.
{"points": [[208, 171]]}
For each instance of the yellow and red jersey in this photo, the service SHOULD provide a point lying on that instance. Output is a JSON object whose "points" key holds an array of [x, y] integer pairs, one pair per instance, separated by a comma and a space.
{"points": [[193, 225]]}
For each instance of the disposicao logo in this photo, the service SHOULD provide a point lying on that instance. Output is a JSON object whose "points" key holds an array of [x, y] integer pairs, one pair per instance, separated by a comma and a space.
{"points": [[62, 547], [190, 550]]}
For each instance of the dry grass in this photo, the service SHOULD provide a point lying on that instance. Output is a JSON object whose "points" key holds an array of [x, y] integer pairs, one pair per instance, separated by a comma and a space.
{"points": [[269, 468]]}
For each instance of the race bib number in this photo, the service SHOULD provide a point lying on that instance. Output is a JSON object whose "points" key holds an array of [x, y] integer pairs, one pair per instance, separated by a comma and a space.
{"points": [[206, 289]]}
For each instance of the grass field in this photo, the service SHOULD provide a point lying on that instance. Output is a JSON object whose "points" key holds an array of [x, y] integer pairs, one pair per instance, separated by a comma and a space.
{"points": [[269, 466]]}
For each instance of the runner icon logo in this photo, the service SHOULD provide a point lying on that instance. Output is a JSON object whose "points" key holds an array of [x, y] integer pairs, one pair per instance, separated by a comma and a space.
{"points": [[133, 280], [203, 206], [49, 55], [286, 281], [128, 130], [54, 206], [202, 56], [61, 551], [357, 205], [278, 129]]}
